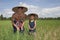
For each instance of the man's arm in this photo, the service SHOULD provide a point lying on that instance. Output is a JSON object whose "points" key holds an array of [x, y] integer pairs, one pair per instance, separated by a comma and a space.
{"points": [[13, 18], [22, 26]]}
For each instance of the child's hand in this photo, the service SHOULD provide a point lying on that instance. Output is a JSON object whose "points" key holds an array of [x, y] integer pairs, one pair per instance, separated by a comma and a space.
{"points": [[32, 28]]}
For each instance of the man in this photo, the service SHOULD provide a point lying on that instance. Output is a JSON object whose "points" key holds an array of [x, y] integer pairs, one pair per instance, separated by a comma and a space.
{"points": [[18, 18]]}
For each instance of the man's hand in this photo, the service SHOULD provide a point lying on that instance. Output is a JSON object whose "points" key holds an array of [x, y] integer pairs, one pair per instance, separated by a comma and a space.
{"points": [[21, 28], [18, 28]]}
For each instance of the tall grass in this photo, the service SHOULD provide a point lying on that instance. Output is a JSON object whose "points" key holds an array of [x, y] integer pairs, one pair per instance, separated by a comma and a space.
{"points": [[45, 30]]}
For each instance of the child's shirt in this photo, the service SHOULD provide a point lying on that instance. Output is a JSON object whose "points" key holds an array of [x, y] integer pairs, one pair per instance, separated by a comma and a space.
{"points": [[32, 24]]}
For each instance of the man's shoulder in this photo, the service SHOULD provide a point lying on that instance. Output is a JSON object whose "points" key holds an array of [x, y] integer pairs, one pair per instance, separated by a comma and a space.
{"points": [[14, 14], [25, 15]]}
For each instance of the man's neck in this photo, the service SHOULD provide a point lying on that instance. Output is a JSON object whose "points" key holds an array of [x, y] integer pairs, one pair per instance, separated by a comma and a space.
{"points": [[20, 12]]}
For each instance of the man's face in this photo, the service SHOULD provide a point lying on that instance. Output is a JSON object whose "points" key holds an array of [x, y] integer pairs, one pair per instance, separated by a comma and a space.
{"points": [[20, 10]]}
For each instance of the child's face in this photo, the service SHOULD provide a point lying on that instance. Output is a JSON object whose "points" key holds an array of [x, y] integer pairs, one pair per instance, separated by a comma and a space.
{"points": [[32, 17]]}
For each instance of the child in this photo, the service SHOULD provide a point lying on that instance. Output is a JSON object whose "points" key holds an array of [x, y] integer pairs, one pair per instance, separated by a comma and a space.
{"points": [[32, 23]]}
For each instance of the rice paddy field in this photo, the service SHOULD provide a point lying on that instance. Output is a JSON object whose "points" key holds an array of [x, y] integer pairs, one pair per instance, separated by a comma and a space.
{"points": [[45, 30]]}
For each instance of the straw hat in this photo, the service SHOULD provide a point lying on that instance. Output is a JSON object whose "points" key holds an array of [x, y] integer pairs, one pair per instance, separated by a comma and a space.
{"points": [[33, 14], [17, 7]]}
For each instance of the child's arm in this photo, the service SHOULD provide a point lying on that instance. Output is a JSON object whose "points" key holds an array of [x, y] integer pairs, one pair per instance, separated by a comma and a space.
{"points": [[29, 26], [35, 25]]}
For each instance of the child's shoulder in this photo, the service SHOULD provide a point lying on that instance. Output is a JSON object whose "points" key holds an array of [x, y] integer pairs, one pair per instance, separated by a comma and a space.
{"points": [[32, 20]]}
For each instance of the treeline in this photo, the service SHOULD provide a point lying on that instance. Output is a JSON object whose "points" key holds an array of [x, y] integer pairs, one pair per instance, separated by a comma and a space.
{"points": [[58, 18], [4, 18]]}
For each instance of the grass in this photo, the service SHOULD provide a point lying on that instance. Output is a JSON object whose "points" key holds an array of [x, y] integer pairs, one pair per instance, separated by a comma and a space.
{"points": [[45, 30]]}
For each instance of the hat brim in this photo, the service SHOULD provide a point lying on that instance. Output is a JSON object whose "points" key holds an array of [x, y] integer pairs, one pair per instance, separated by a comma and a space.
{"points": [[35, 15], [16, 8]]}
